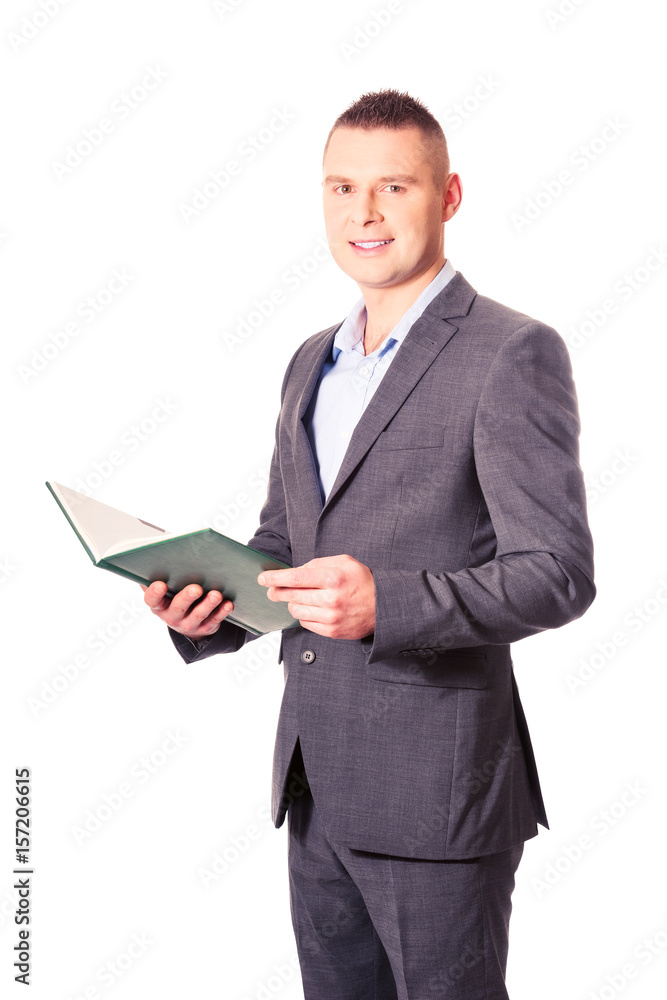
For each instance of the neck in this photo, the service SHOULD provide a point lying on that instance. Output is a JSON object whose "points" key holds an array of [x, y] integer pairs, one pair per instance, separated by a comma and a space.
{"points": [[385, 306]]}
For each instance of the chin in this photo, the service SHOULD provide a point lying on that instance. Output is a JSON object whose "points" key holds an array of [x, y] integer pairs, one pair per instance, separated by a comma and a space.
{"points": [[372, 268]]}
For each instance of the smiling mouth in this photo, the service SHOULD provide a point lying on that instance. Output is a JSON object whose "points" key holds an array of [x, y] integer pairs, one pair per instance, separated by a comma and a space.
{"points": [[370, 245]]}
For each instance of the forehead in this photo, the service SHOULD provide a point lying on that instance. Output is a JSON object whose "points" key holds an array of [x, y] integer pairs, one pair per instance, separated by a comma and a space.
{"points": [[377, 151]]}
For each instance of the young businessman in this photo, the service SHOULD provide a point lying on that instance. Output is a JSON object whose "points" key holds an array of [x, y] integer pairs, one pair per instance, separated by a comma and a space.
{"points": [[425, 485]]}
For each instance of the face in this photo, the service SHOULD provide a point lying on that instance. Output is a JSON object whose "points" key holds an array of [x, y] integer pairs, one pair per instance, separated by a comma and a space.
{"points": [[382, 210]]}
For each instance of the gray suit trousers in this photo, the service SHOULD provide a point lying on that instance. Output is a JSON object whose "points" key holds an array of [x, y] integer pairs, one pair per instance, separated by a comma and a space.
{"points": [[374, 926]]}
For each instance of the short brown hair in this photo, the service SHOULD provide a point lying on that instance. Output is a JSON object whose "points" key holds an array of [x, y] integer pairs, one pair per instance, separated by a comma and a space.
{"points": [[396, 110]]}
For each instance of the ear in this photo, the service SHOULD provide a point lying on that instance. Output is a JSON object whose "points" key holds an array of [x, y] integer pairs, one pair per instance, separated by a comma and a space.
{"points": [[452, 195]]}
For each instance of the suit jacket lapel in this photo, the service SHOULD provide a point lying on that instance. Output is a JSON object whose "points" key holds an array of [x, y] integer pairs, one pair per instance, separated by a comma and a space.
{"points": [[304, 460], [427, 336]]}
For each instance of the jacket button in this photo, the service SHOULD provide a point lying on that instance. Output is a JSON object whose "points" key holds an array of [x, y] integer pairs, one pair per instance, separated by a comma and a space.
{"points": [[308, 655]]}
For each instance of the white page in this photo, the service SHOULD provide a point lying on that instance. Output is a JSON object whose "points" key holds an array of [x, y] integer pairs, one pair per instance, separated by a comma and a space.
{"points": [[105, 530]]}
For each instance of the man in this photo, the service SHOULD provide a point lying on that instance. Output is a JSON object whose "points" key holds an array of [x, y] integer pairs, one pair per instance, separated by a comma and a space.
{"points": [[425, 485]]}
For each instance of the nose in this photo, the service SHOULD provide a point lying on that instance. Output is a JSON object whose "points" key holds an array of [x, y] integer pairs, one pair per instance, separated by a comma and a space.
{"points": [[365, 210]]}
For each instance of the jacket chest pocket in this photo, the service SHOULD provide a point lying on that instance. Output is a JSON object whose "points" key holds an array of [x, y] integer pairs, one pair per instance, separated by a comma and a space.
{"points": [[401, 438]]}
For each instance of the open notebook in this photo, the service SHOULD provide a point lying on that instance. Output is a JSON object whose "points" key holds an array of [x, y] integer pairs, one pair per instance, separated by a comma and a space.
{"points": [[143, 552]]}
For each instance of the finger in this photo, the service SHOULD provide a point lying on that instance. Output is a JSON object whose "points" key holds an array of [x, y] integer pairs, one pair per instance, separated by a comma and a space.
{"points": [[196, 612], [155, 596], [182, 602], [221, 612], [212, 619], [205, 606], [275, 577], [211, 607], [308, 613], [298, 576], [317, 627], [315, 598]]}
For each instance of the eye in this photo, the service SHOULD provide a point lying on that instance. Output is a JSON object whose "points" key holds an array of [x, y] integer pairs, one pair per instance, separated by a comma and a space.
{"points": [[397, 187], [340, 186]]}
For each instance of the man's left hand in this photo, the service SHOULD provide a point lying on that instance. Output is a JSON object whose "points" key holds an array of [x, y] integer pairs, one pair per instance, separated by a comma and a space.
{"points": [[332, 595]]}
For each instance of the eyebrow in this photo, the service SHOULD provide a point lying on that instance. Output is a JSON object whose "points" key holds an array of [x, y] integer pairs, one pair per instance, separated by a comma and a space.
{"points": [[403, 178]]}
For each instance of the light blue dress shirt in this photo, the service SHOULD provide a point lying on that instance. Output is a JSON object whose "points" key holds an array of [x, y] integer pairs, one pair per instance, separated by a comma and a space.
{"points": [[349, 378]]}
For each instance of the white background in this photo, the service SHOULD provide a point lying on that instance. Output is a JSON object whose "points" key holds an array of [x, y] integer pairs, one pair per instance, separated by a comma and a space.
{"points": [[218, 76]]}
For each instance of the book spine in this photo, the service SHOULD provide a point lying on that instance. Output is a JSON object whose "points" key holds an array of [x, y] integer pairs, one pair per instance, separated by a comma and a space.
{"points": [[71, 522]]}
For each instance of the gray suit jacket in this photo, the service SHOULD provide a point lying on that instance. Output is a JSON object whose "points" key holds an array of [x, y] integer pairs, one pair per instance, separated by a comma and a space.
{"points": [[461, 490]]}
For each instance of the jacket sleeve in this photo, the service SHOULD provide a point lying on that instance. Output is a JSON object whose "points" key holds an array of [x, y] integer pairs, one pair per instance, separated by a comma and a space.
{"points": [[271, 537], [526, 452]]}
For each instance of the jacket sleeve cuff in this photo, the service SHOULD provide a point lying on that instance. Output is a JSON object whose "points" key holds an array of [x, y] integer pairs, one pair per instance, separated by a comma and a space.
{"points": [[394, 633], [510, 598], [228, 639]]}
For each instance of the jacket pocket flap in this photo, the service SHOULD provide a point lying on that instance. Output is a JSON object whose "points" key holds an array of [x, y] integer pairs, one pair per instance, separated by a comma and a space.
{"points": [[450, 668]]}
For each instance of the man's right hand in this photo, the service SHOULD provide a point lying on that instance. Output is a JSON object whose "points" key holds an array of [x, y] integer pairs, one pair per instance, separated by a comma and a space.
{"points": [[185, 612]]}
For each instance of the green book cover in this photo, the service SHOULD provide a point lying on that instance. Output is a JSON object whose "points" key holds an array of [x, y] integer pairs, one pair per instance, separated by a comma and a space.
{"points": [[142, 552]]}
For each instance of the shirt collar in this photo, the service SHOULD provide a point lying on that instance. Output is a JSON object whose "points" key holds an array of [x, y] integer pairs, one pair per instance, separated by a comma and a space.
{"points": [[350, 334]]}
